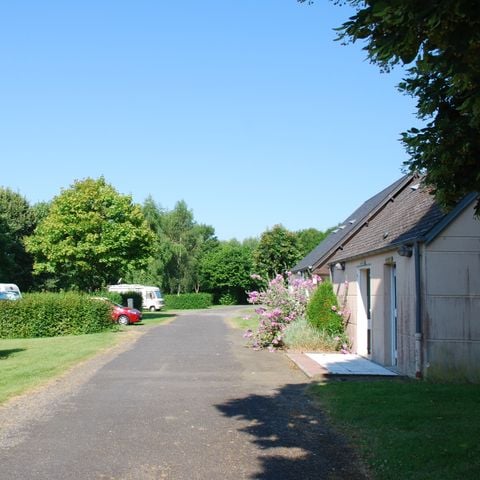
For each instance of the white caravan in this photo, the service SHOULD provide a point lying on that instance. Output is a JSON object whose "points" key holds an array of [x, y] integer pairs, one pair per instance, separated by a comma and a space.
{"points": [[152, 296], [10, 291]]}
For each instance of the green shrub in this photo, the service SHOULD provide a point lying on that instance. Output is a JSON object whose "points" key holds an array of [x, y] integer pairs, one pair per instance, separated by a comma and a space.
{"points": [[323, 311], [53, 314], [114, 297], [227, 299], [302, 335], [186, 301]]}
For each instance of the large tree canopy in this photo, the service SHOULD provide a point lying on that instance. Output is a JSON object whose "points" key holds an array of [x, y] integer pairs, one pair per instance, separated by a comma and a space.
{"points": [[227, 269], [17, 220], [277, 252], [90, 236], [440, 42]]}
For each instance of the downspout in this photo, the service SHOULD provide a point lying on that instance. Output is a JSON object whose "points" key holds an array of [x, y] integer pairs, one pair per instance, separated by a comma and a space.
{"points": [[418, 314]]}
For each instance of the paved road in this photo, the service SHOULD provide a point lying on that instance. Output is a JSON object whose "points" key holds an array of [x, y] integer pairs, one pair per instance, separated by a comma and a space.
{"points": [[187, 401]]}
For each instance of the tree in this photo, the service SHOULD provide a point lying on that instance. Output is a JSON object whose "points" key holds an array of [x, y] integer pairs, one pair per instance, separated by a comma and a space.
{"points": [[153, 273], [277, 252], [187, 242], [17, 221], [227, 269], [440, 42], [91, 236], [309, 238]]}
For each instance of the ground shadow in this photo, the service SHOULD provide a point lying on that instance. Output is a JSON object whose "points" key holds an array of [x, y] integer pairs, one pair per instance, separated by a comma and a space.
{"points": [[6, 353], [294, 437]]}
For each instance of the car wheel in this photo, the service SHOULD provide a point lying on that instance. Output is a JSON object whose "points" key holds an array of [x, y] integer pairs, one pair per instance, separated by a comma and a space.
{"points": [[123, 320], [152, 308]]}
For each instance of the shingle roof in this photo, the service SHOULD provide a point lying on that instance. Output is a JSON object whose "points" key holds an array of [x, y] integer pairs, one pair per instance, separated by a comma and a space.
{"points": [[320, 255], [409, 216]]}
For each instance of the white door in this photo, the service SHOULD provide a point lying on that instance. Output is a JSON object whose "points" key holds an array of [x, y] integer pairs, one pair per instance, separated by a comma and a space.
{"points": [[364, 313], [393, 313]]}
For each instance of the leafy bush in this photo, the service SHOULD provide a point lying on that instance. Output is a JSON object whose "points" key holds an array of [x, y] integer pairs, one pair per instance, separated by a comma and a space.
{"points": [[227, 299], [301, 335], [53, 314], [283, 301], [187, 301], [115, 297], [323, 312]]}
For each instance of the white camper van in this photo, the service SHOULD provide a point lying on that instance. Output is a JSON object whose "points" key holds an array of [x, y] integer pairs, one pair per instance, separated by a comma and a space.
{"points": [[10, 291], [152, 296]]}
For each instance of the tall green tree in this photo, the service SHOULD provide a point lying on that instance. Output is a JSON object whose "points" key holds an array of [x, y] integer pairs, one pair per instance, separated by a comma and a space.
{"points": [[187, 242], [91, 236], [277, 252], [439, 42], [153, 273], [309, 238], [17, 221], [227, 269]]}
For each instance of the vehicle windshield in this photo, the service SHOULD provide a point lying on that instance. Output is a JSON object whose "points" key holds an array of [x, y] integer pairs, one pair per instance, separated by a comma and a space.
{"points": [[158, 293], [11, 295]]}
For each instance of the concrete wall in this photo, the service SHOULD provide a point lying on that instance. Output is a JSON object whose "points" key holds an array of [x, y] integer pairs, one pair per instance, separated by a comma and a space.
{"points": [[452, 301]]}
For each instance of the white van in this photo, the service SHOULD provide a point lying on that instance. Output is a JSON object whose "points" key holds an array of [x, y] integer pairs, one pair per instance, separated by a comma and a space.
{"points": [[10, 291], [152, 296]]}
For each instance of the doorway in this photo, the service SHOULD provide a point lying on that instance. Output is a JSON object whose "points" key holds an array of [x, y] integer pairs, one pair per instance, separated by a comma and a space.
{"points": [[364, 313]]}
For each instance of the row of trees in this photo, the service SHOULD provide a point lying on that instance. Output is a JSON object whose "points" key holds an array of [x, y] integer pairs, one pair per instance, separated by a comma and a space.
{"points": [[90, 236]]}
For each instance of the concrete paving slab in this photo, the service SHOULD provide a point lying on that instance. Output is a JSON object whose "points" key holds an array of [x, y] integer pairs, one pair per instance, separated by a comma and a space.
{"points": [[348, 364]]}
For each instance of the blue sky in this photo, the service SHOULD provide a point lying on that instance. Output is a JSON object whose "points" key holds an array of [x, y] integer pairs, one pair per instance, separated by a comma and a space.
{"points": [[247, 109]]}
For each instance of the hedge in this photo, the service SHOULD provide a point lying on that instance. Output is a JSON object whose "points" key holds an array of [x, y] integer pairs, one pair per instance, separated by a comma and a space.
{"points": [[53, 314], [186, 301]]}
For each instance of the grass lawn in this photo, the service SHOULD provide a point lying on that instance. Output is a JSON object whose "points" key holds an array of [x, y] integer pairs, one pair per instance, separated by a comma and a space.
{"points": [[27, 363], [248, 320], [408, 429]]}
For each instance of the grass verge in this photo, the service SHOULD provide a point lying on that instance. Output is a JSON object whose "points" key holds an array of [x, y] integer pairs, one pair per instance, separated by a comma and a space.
{"points": [[247, 321], [300, 335], [408, 429]]}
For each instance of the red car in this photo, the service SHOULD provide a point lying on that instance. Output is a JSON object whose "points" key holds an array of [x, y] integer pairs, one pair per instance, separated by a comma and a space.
{"points": [[125, 315], [122, 315]]}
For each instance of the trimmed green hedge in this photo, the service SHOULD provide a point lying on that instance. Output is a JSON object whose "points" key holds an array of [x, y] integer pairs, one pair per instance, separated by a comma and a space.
{"points": [[186, 301], [53, 314]]}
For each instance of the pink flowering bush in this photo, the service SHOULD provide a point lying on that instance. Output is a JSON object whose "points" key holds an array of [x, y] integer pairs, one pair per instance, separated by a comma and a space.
{"points": [[283, 301]]}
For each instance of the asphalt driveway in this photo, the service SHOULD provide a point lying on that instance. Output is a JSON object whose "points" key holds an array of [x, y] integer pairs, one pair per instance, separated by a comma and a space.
{"points": [[187, 401]]}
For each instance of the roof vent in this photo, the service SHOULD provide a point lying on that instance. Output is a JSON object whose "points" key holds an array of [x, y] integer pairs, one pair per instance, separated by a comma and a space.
{"points": [[415, 187], [385, 235], [341, 227], [336, 230], [351, 222]]}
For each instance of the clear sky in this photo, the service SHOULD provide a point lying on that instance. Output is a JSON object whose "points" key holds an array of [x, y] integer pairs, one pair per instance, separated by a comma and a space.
{"points": [[246, 109]]}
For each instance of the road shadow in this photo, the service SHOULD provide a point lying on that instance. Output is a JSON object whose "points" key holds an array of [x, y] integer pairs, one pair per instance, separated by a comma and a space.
{"points": [[6, 353], [293, 436]]}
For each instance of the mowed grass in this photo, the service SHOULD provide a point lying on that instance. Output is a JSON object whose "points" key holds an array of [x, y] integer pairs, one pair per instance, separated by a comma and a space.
{"points": [[249, 320], [408, 429], [27, 363]]}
